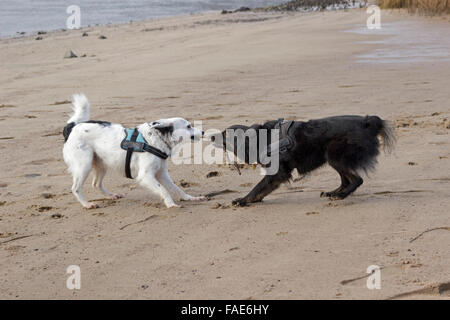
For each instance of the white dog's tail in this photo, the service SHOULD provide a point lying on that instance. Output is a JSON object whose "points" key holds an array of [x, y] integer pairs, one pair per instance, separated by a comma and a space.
{"points": [[80, 107]]}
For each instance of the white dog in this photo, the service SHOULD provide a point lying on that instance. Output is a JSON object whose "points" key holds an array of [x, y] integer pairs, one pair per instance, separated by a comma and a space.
{"points": [[97, 145]]}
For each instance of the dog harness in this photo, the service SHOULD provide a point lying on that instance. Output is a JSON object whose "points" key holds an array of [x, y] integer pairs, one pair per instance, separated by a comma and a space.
{"points": [[286, 141], [135, 142]]}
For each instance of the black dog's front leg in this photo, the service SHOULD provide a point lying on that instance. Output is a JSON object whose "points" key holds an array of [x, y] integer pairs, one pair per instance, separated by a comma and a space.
{"points": [[263, 188]]}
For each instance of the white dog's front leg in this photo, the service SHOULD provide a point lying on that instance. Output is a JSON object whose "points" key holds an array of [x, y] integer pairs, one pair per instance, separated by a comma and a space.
{"points": [[150, 182], [164, 178]]}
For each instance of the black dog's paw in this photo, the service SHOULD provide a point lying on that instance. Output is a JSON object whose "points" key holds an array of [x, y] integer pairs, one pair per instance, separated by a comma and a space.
{"points": [[332, 195], [338, 196], [239, 202]]}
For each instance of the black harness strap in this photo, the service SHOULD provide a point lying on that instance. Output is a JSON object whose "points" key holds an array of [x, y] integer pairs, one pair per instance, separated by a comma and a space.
{"points": [[129, 153], [155, 151], [286, 141], [136, 144]]}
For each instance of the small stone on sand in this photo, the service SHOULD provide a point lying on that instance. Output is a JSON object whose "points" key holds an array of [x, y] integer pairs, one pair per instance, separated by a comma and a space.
{"points": [[70, 54], [213, 174]]}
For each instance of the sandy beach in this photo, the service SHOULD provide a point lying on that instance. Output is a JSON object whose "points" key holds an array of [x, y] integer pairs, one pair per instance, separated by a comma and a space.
{"points": [[223, 70]]}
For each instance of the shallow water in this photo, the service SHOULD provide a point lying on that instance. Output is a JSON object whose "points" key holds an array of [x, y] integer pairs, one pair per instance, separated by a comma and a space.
{"points": [[408, 42], [34, 15]]}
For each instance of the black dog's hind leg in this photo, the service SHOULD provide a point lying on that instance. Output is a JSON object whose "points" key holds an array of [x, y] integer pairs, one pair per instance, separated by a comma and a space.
{"points": [[354, 182], [342, 157], [268, 184], [344, 183]]}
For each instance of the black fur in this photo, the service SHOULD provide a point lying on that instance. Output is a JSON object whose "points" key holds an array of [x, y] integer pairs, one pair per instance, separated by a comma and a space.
{"points": [[68, 128], [349, 144], [165, 130], [101, 122]]}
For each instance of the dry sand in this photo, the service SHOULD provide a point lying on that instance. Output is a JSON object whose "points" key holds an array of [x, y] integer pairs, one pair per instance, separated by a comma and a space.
{"points": [[227, 69]]}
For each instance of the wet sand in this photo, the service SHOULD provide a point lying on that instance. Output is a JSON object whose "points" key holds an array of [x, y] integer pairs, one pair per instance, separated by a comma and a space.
{"points": [[228, 69]]}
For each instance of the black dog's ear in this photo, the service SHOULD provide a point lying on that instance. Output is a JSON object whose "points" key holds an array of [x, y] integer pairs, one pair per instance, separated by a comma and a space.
{"points": [[256, 126], [237, 127]]}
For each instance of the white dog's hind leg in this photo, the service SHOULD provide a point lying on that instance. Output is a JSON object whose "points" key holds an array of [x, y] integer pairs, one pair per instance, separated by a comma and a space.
{"points": [[155, 186], [99, 174], [80, 171], [166, 181]]}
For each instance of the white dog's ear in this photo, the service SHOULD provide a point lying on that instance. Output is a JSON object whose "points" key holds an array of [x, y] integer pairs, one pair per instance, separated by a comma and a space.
{"points": [[163, 127]]}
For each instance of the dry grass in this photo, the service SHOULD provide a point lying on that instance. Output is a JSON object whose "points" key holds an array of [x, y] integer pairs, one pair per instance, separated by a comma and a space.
{"points": [[429, 7]]}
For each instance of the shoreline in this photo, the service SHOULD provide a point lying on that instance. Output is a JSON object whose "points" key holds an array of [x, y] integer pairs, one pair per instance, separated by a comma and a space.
{"points": [[267, 9], [90, 27], [275, 9]]}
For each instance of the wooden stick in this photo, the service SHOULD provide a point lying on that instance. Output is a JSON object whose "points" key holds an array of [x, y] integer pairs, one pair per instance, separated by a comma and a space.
{"points": [[234, 163], [428, 230], [17, 238], [216, 193], [140, 221], [237, 167]]}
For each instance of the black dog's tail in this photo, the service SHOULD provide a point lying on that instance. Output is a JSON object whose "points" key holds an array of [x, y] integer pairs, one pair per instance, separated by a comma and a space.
{"points": [[385, 130], [388, 137]]}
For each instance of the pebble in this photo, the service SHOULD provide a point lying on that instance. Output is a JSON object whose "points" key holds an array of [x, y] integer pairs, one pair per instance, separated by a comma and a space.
{"points": [[70, 54]]}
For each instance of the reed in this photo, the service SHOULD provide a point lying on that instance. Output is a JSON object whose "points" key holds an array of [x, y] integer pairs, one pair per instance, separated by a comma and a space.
{"points": [[429, 7]]}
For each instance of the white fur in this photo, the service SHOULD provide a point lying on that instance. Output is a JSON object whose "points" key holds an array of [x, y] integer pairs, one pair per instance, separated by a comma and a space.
{"points": [[95, 146], [80, 107]]}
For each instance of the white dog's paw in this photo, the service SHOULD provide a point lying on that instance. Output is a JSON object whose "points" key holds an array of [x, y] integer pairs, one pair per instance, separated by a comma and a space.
{"points": [[200, 198], [117, 196], [192, 198], [173, 205], [91, 205]]}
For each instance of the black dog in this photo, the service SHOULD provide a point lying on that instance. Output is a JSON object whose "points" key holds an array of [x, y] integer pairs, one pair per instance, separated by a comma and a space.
{"points": [[348, 143]]}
